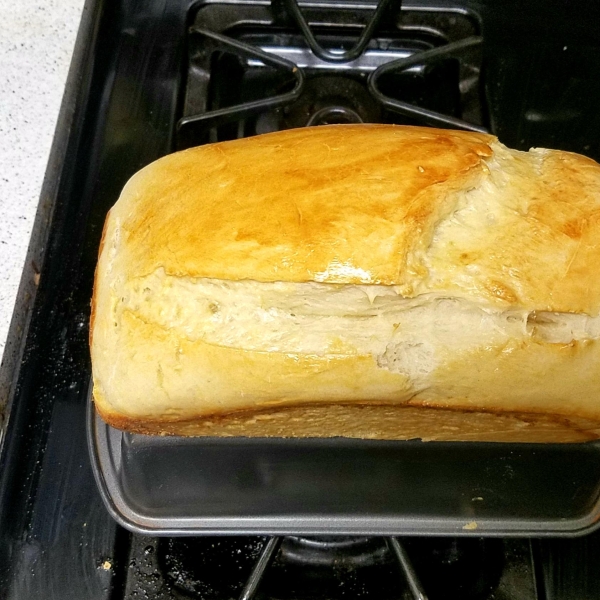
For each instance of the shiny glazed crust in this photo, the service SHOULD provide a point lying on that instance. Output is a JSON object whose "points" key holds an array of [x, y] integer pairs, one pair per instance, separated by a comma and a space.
{"points": [[356, 205]]}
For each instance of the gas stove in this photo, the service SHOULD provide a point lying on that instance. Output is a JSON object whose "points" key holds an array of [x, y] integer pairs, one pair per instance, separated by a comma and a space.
{"points": [[156, 76], [262, 69]]}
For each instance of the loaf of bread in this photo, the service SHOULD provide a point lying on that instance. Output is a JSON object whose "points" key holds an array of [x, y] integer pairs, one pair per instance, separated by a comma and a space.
{"points": [[370, 281]]}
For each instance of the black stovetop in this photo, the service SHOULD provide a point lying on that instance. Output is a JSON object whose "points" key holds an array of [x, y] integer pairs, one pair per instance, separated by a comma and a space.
{"points": [[143, 67]]}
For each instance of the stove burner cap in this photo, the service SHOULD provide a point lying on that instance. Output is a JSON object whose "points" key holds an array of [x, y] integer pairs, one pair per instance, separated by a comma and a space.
{"points": [[328, 100], [335, 550], [334, 115]]}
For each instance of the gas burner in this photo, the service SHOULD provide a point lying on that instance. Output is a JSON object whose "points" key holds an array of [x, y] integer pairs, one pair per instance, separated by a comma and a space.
{"points": [[325, 100], [291, 567], [335, 551], [334, 115], [331, 568], [271, 71]]}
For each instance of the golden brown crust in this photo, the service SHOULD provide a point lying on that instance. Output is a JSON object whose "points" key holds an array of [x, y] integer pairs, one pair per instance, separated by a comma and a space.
{"points": [[339, 204], [371, 204]]}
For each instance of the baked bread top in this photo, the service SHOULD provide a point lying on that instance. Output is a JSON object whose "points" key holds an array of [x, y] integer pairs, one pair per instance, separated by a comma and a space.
{"points": [[422, 209]]}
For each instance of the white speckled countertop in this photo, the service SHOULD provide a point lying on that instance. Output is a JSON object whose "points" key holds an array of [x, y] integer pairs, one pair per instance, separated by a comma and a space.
{"points": [[36, 44]]}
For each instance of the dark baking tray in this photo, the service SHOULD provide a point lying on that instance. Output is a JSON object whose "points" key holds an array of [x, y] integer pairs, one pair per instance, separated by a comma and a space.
{"points": [[190, 486]]}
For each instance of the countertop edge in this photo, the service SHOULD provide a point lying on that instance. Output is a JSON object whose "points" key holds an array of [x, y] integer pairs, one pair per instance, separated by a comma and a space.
{"points": [[28, 286]]}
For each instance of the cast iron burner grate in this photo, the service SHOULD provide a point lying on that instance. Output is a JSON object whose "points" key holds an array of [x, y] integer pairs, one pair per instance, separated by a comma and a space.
{"points": [[332, 568], [265, 69]]}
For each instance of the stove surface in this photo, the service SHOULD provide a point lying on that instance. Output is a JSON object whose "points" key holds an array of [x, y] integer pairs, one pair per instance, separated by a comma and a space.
{"points": [[161, 75]]}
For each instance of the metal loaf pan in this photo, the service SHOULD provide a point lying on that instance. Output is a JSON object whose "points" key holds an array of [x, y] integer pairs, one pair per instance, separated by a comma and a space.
{"points": [[191, 486]]}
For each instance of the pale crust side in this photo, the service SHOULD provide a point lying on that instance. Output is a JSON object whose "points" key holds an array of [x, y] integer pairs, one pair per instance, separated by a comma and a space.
{"points": [[353, 204], [153, 372], [541, 251], [163, 384]]}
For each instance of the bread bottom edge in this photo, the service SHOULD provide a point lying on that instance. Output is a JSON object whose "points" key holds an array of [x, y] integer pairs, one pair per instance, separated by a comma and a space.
{"points": [[369, 421]]}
